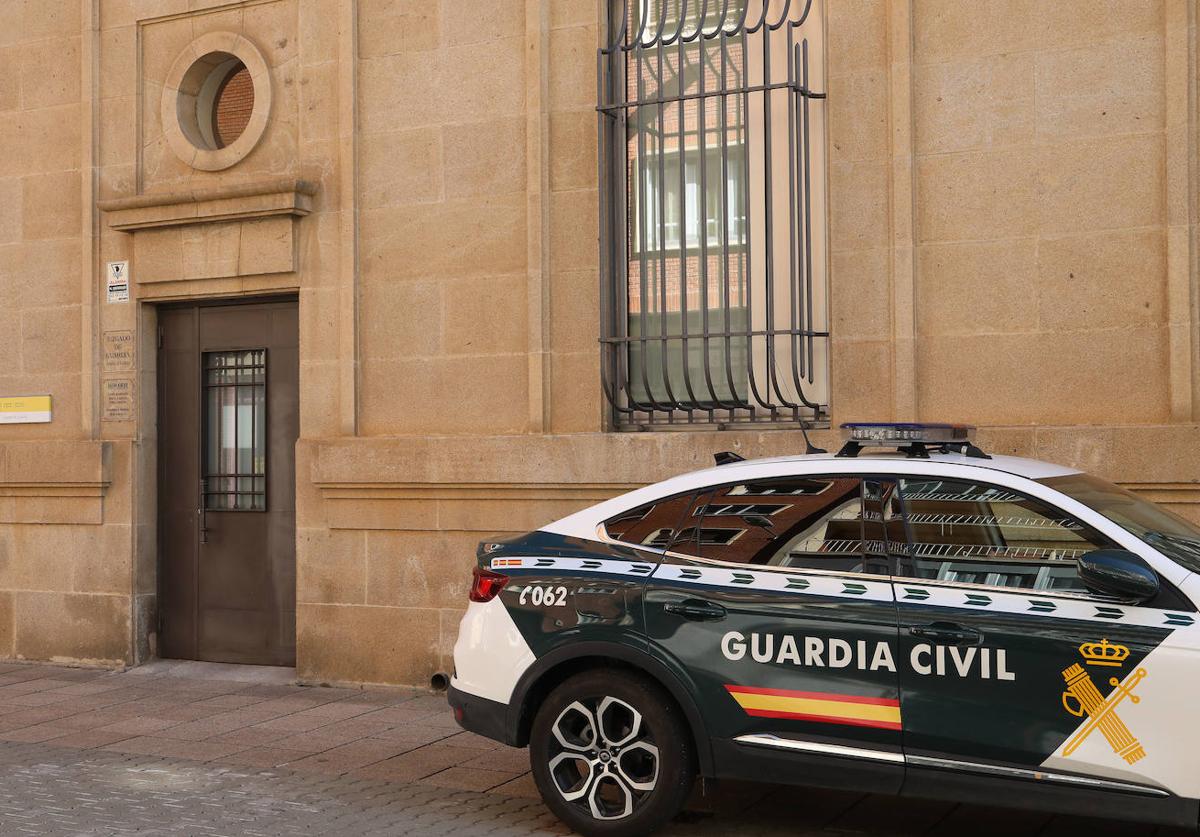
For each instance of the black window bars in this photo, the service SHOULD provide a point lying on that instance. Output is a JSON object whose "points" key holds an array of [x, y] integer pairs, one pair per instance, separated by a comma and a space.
{"points": [[713, 212], [235, 430]]}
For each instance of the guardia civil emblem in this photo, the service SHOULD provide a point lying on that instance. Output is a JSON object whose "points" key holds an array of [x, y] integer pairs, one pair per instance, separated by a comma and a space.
{"points": [[1081, 698]]}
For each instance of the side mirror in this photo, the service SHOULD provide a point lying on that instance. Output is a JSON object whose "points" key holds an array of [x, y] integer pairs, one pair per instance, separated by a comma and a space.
{"points": [[1118, 573]]}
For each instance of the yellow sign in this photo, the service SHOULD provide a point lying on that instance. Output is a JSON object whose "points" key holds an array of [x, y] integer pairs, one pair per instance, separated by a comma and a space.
{"points": [[1083, 698], [24, 409]]}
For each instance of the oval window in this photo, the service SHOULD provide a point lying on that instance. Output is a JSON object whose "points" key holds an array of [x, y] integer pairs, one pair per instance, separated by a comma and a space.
{"points": [[216, 101]]}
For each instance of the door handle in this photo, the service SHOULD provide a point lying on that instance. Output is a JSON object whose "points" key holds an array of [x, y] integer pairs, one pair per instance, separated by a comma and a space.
{"points": [[696, 610], [202, 518], [948, 633]]}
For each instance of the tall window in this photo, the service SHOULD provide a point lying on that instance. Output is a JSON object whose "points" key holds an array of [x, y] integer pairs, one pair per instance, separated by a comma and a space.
{"points": [[713, 212]]}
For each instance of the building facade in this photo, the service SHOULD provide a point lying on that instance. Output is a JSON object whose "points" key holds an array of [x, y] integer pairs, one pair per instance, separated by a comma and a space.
{"points": [[324, 292]]}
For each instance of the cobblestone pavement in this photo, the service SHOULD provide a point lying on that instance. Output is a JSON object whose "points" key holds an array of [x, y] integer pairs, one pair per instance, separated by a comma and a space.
{"points": [[215, 750]]}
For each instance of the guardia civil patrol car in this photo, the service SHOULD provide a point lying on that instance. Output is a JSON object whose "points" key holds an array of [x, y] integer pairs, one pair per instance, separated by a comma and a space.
{"points": [[910, 615]]}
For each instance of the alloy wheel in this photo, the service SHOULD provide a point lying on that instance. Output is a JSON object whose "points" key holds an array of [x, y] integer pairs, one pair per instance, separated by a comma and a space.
{"points": [[603, 758]]}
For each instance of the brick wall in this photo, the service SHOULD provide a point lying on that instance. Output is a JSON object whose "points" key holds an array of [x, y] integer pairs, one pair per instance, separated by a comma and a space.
{"points": [[234, 105]]}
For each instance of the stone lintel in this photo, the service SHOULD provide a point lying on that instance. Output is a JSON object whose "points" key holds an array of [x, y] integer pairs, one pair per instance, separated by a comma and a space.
{"points": [[256, 246], [202, 205]]}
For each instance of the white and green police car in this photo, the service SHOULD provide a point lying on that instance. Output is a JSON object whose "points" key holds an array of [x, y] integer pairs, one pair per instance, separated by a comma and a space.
{"points": [[927, 620]]}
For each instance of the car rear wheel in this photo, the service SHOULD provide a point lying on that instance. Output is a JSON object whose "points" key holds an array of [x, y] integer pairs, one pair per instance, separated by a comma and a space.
{"points": [[611, 754]]}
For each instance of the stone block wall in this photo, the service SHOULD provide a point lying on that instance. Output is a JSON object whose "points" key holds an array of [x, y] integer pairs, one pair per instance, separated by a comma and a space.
{"points": [[65, 524], [1011, 191], [41, 195], [66, 550], [999, 195], [1044, 171]]}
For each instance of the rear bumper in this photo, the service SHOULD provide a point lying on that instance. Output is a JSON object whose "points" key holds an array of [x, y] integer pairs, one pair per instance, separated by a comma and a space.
{"points": [[479, 715]]}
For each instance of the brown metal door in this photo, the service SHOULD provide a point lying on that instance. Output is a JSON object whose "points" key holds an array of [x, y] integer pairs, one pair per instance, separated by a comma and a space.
{"points": [[228, 420]]}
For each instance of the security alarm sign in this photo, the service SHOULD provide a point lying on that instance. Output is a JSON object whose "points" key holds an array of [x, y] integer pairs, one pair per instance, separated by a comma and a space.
{"points": [[118, 281]]}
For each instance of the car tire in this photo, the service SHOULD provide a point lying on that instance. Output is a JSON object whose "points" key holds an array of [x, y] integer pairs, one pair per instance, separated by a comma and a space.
{"points": [[612, 754]]}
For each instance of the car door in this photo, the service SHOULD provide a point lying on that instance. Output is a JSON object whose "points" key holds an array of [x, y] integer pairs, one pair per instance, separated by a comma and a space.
{"points": [[1008, 666], [773, 603]]}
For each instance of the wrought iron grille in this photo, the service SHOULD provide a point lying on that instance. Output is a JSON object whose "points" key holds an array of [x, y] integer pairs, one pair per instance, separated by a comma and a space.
{"points": [[235, 430], [713, 212]]}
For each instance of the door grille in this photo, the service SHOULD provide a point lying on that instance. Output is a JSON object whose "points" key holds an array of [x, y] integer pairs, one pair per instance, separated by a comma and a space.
{"points": [[235, 430]]}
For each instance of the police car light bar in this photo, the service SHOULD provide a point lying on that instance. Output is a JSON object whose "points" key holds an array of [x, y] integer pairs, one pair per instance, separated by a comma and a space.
{"points": [[891, 433], [914, 437]]}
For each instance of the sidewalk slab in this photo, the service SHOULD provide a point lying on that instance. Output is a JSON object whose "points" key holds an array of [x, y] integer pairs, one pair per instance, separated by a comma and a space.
{"points": [[232, 749]]}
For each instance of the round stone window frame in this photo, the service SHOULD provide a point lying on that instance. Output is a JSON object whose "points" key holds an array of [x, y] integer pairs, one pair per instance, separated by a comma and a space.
{"points": [[190, 90]]}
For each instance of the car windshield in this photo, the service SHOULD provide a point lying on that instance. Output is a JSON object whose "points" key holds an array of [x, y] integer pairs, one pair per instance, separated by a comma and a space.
{"points": [[1170, 534]]}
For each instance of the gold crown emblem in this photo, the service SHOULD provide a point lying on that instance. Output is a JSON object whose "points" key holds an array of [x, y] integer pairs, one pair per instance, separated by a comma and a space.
{"points": [[1104, 653]]}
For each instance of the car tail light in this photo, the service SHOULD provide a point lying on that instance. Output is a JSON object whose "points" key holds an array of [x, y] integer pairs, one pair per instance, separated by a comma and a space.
{"points": [[486, 585]]}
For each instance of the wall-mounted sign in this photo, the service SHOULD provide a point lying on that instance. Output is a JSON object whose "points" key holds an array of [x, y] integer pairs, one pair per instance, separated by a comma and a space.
{"points": [[116, 399], [116, 351], [24, 409], [118, 281]]}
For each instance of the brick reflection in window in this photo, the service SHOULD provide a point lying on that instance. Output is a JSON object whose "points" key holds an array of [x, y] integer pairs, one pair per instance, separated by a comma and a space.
{"points": [[234, 104]]}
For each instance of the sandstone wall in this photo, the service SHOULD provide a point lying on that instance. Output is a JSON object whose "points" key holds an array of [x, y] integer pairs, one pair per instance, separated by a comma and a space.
{"points": [[1012, 195], [65, 520]]}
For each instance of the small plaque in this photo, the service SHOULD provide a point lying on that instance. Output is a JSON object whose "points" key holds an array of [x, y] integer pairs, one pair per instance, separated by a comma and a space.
{"points": [[117, 400], [24, 409], [117, 351], [118, 281]]}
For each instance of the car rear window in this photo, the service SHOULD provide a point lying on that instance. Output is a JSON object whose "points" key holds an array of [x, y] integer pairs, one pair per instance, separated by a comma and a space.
{"points": [[653, 525]]}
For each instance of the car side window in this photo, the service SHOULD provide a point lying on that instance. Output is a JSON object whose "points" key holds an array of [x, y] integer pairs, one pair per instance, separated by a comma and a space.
{"points": [[653, 525], [811, 522], [976, 533]]}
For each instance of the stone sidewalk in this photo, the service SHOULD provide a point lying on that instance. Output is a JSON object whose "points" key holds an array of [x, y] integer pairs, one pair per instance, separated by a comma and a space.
{"points": [[259, 720], [194, 748]]}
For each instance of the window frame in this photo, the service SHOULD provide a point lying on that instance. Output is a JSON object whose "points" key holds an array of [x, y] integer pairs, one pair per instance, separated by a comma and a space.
{"points": [[644, 192]]}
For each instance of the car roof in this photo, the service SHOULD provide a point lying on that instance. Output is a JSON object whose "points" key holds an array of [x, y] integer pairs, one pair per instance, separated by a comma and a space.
{"points": [[1033, 469], [948, 465]]}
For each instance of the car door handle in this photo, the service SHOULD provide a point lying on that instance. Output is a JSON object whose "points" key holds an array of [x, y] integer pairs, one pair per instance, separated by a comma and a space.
{"points": [[696, 610], [947, 633]]}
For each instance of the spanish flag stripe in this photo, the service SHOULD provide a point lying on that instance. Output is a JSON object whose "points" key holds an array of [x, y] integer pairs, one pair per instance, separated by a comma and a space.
{"points": [[824, 719], [760, 690], [818, 706]]}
